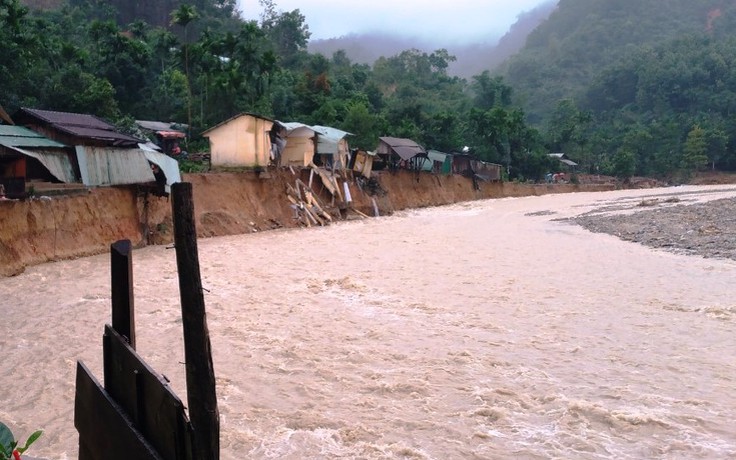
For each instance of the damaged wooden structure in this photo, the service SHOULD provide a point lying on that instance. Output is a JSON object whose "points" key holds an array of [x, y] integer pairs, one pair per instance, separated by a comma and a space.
{"points": [[135, 415], [309, 209]]}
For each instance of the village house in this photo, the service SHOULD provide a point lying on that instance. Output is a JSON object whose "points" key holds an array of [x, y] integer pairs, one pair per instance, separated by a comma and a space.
{"points": [[27, 157], [401, 153], [439, 162], [104, 155], [333, 150], [361, 162], [243, 141], [462, 163], [468, 164], [299, 145]]}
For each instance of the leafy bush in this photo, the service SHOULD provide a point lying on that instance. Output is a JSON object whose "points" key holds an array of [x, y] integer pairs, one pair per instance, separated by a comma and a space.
{"points": [[9, 449]]}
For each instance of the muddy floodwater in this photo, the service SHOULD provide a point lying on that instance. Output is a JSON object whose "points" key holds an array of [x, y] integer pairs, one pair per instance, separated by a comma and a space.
{"points": [[494, 329]]}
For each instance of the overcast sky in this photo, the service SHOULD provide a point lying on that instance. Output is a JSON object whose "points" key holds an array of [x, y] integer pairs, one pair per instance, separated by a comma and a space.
{"points": [[451, 21]]}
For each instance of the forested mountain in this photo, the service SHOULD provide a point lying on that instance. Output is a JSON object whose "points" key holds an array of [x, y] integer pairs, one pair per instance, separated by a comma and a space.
{"points": [[564, 54], [633, 86]]}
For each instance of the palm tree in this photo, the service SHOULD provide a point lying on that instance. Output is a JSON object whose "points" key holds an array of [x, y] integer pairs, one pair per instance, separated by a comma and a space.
{"points": [[182, 16]]}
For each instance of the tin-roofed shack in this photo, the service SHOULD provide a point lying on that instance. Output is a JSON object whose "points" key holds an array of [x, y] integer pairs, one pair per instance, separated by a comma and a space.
{"points": [[400, 153], [333, 150], [27, 156], [299, 143], [438, 162], [467, 164], [104, 155]]}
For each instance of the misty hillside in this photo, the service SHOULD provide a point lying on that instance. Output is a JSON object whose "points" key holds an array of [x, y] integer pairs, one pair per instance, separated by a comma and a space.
{"points": [[472, 59], [563, 55]]}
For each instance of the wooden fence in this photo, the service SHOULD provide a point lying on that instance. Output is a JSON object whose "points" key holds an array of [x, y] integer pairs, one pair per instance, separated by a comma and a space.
{"points": [[136, 415]]}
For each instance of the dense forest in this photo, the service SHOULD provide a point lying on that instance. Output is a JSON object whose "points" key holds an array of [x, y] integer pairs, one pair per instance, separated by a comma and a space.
{"points": [[638, 87], [613, 84]]}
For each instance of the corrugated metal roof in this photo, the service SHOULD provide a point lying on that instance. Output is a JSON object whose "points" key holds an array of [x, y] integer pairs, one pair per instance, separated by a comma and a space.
{"points": [[168, 165], [82, 125], [160, 125], [153, 125], [109, 166], [407, 153], [331, 133], [436, 155], [296, 129], [18, 136], [400, 142], [406, 149], [56, 162]]}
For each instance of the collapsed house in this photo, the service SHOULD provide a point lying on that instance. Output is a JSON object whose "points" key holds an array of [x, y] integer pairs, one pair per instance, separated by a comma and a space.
{"points": [[468, 165], [298, 146], [332, 151], [361, 162]]}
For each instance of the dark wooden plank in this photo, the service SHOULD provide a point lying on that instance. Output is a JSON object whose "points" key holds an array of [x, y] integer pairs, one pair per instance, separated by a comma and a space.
{"points": [[201, 395], [105, 432], [121, 274], [147, 398]]}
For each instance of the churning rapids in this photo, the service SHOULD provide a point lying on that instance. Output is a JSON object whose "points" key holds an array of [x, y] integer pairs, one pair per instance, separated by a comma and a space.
{"points": [[482, 330]]}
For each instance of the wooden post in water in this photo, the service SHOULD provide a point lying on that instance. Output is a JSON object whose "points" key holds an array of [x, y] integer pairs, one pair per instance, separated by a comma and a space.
{"points": [[201, 396], [123, 305]]}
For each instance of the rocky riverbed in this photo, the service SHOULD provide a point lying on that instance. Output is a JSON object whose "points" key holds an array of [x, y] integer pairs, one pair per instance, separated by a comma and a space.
{"points": [[673, 222]]}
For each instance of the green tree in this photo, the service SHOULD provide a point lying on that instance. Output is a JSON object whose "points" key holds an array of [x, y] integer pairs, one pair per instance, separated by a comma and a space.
{"points": [[489, 92], [623, 164], [695, 152], [21, 52], [365, 126], [182, 17], [289, 34], [122, 61]]}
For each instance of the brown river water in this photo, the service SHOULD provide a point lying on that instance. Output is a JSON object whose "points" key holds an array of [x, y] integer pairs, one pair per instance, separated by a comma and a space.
{"points": [[482, 330]]}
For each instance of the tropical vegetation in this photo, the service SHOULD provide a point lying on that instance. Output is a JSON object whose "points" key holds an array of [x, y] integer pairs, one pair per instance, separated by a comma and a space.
{"points": [[624, 88]]}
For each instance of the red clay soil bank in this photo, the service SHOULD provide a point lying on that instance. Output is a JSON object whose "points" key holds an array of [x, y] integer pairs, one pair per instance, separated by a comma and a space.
{"points": [[46, 229]]}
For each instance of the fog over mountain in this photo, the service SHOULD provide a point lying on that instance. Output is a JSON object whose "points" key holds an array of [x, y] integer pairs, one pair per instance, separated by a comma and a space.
{"points": [[472, 59]]}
